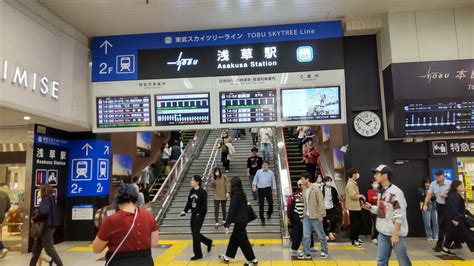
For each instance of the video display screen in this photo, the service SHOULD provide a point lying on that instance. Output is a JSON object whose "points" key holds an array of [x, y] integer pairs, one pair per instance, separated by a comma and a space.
{"points": [[311, 104], [439, 118], [248, 106], [123, 111], [182, 109]]}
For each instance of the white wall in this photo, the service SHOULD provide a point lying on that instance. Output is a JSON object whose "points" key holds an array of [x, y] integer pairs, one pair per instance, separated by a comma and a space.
{"points": [[427, 35], [15, 135], [43, 48]]}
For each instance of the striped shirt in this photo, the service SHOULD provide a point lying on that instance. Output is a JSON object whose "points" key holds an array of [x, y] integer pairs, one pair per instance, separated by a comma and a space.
{"points": [[299, 205]]}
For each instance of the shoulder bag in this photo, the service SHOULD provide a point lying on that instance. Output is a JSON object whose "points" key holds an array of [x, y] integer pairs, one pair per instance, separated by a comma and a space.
{"points": [[252, 215], [125, 238]]}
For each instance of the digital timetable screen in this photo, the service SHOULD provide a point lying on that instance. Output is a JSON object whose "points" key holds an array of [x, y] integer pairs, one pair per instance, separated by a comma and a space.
{"points": [[248, 106], [182, 109], [123, 111]]}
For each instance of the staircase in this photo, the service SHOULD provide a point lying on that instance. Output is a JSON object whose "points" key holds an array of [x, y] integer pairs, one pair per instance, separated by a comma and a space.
{"points": [[173, 226], [295, 158]]}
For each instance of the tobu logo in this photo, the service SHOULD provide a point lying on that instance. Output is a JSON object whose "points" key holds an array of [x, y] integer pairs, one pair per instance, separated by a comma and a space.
{"points": [[183, 62]]}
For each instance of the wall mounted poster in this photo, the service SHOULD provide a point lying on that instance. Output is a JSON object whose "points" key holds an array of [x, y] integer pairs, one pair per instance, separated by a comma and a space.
{"points": [[121, 167], [143, 144]]}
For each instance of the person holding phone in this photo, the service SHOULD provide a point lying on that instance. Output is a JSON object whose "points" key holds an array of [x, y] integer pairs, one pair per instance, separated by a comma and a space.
{"points": [[392, 224], [197, 203]]}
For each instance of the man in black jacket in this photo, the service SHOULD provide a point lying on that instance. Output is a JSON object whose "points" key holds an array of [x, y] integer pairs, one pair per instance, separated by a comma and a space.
{"points": [[254, 163], [197, 203]]}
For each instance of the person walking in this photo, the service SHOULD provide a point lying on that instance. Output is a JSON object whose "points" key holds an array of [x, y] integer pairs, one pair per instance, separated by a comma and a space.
{"points": [[237, 134], [5, 205], [332, 205], [352, 200], [311, 159], [227, 151], [254, 132], [266, 136], [165, 154], [220, 185], [295, 215], [263, 183], [300, 130], [314, 213], [197, 203], [129, 233], [439, 189], [392, 224], [239, 215], [47, 214], [175, 152], [456, 229], [254, 163], [430, 217], [145, 177], [372, 199]]}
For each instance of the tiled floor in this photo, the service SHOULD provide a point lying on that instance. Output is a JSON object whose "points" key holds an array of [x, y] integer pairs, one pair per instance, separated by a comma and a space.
{"points": [[269, 253]]}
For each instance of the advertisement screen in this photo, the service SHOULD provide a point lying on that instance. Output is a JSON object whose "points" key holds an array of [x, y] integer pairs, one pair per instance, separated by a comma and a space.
{"points": [[311, 104], [182, 109], [248, 106], [123, 111]]}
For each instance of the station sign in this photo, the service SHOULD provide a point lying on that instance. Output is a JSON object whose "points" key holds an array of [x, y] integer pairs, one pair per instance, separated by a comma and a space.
{"points": [[117, 58]]}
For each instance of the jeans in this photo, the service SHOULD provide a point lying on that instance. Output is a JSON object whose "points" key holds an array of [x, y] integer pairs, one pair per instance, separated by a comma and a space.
{"points": [[384, 251], [266, 150], [430, 220], [251, 177], [45, 241], [237, 133], [308, 225]]}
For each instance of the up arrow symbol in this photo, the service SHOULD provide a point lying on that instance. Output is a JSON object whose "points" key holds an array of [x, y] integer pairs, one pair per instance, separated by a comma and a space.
{"points": [[87, 147], [106, 44]]}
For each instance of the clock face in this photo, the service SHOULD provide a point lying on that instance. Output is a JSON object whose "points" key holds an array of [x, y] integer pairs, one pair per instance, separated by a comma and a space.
{"points": [[367, 124]]}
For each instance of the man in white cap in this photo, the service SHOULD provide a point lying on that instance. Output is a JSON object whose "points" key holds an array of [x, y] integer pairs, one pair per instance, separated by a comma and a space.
{"points": [[391, 218]]}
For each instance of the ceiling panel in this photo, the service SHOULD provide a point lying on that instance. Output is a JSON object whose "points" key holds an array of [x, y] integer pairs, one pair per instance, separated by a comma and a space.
{"points": [[110, 17]]}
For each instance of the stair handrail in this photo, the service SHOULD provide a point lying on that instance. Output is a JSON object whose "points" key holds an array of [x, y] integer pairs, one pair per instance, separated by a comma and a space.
{"points": [[176, 172], [210, 163], [283, 172]]}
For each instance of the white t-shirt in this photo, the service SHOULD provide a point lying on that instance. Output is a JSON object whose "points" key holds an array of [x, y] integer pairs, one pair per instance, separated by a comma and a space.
{"points": [[328, 204], [265, 135]]}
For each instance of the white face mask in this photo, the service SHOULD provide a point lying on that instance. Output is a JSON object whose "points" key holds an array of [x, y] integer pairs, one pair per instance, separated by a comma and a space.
{"points": [[328, 184], [375, 186], [319, 180], [217, 173], [357, 176]]}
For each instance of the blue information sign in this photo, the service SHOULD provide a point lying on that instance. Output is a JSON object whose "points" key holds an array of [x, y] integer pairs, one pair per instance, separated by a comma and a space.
{"points": [[89, 173], [114, 58], [448, 173]]}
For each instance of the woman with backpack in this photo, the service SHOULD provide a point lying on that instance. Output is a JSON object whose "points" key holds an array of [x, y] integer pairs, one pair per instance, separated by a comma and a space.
{"points": [[227, 150], [47, 214], [220, 185], [239, 215]]}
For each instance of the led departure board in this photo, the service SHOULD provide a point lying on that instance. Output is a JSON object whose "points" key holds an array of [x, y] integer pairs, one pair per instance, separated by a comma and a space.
{"points": [[438, 118], [182, 109], [248, 106], [123, 111]]}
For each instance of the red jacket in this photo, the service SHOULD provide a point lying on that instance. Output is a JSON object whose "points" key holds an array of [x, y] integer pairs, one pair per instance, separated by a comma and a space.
{"points": [[372, 196], [311, 155]]}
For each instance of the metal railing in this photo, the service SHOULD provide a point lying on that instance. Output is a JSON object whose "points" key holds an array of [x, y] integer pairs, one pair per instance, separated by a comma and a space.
{"points": [[162, 199], [283, 172], [208, 171]]}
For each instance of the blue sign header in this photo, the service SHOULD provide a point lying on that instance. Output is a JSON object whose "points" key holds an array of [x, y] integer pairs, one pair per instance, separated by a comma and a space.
{"points": [[114, 58]]}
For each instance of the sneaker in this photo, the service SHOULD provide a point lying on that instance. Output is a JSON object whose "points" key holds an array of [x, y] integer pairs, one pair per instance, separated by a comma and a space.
{"points": [[437, 249], [226, 171], [375, 241], [304, 257], [196, 257], [429, 239], [447, 253], [223, 259], [216, 226], [323, 255], [360, 241], [456, 246], [356, 244], [294, 251], [3, 253], [251, 263]]}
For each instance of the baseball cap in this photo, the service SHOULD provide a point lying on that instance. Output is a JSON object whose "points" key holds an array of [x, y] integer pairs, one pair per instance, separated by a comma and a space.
{"points": [[383, 169]]}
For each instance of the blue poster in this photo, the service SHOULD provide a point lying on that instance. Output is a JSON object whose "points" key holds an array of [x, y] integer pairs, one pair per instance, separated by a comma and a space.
{"points": [[143, 144], [89, 173], [448, 173], [115, 58], [122, 167]]}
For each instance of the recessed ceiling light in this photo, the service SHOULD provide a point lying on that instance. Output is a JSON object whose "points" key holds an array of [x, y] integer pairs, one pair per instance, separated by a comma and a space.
{"points": [[26, 118]]}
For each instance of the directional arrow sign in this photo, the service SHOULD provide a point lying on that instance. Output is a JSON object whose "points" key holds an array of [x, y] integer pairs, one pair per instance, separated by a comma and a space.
{"points": [[106, 44], [107, 150], [87, 147]]}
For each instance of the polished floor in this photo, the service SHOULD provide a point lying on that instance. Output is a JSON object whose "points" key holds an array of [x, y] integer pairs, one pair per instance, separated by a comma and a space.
{"points": [[269, 253]]}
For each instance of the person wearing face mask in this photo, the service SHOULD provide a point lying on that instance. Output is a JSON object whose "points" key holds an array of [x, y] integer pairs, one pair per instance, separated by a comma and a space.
{"points": [[430, 217], [319, 182], [372, 199], [220, 185], [352, 200], [331, 203]]}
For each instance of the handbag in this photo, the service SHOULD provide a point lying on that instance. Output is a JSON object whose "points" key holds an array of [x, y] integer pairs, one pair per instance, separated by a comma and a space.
{"points": [[36, 229], [469, 219], [252, 215]]}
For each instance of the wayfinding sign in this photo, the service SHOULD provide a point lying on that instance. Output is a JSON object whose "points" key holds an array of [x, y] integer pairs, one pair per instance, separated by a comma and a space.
{"points": [[89, 168], [116, 58]]}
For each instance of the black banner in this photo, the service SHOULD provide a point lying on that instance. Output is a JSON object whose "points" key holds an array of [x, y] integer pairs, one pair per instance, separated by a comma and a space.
{"points": [[452, 148], [311, 55], [429, 98]]}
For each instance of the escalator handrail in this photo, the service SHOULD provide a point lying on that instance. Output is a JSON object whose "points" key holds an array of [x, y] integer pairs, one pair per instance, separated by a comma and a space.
{"points": [[210, 163], [281, 167]]}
